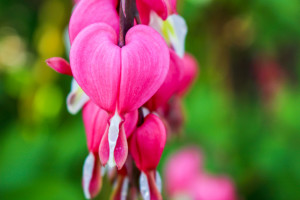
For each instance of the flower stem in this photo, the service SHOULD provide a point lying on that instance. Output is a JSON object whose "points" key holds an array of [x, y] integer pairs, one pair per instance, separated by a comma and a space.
{"points": [[127, 16]]}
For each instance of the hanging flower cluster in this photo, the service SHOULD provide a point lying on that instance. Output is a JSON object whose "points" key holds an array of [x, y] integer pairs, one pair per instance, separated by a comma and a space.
{"points": [[130, 72]]}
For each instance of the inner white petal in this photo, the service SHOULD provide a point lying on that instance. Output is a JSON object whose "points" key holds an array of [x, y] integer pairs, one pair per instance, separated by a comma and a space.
{"points": [[88, 168], [113, 134], [76, 98], [180, 28], [144, 186], [145, 111]]}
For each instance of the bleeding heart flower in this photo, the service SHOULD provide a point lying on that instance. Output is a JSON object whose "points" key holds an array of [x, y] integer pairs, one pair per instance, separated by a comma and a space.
{"points": [[170, 85], [119, 80], [146, 146], [88, 12]]}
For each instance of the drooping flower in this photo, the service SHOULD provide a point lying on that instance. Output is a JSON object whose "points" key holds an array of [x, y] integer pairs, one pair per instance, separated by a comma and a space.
{"points": [[146, 146], [186, 179], [119, 80]]}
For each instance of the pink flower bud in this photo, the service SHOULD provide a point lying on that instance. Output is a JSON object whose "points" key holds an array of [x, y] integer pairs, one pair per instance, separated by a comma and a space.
{"points": [[60, 65], [147, 143]]}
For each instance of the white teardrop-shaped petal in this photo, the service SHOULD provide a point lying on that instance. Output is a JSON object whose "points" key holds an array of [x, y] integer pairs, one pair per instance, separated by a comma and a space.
{"points": [[113, 134], [180, 31], [88, 168], [76, 98], [144, 186], [173, 30]]}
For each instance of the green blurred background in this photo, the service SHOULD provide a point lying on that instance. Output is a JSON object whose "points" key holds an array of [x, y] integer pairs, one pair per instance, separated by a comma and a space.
{"points": [[243, 111]]}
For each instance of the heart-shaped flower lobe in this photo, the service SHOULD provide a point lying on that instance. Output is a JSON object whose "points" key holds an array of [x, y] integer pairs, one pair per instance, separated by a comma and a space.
{"points": [[88, 12]]}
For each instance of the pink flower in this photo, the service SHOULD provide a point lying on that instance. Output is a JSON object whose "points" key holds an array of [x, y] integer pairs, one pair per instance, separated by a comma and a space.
{"points": [[184, 177], [119, 80]]}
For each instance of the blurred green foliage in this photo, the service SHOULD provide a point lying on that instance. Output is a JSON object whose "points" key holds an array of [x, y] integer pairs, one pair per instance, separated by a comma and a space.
{"points": [[243, 111]]}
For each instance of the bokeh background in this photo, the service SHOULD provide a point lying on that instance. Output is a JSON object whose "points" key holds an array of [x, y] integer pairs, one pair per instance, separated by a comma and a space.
{"points": [[243, 111]]}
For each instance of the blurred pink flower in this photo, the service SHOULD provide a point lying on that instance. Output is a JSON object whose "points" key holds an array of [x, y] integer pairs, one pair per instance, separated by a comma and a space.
{"points": [[104, 71], [184, 177]]}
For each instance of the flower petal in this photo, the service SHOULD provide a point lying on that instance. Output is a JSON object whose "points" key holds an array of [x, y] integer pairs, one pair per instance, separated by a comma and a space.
{"points": [[147, 143], [121, 149], [95, 122], [174, 31], [170, 85], [94, 11], [130, 122], [91, 179], [145, 64], [76, 98], [145, 6], [60, 65], [95, 61]]}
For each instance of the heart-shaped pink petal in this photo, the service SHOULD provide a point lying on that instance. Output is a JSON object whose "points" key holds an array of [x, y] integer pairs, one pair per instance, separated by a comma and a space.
{"points": [[145, 64], [126, 76], [88, 12]]}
